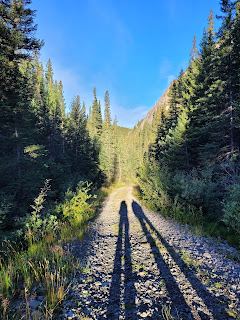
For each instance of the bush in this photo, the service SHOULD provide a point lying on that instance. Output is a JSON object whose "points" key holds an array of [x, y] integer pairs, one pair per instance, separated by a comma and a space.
{"points": [[37, 224], [231, 208], [198, 190], [154, 184], [77, 208], [5, 208]]}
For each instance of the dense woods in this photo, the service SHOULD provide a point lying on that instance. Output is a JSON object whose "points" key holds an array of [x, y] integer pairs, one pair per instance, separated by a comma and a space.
{"points": [[40, 140], [188, 163]]}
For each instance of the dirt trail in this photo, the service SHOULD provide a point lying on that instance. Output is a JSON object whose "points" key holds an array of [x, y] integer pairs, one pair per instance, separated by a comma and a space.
{"points": [[138, 265]]}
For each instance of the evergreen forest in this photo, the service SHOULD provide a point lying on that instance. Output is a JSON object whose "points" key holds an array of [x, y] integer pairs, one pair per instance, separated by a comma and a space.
{"points": [[56, 160], [187, 158]]}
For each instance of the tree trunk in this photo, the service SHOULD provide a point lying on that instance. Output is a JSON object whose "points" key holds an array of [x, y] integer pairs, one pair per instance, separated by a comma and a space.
{"points": [[187, 158], [120, 169], [63, 145], [18, 152], [230, 105]]}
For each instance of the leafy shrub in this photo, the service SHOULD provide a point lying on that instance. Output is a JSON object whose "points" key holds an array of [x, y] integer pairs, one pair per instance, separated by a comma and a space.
{"points": [[77, 207], [154, 184], [37, 224], [198, 190], [231, 208], [5, 208]]}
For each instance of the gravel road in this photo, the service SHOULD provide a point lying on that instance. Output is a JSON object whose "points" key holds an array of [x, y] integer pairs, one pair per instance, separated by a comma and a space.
{"points": [[139, 265]]}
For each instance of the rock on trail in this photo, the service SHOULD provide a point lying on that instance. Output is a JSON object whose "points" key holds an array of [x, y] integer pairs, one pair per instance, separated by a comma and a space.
{"points": [[139, 265]]}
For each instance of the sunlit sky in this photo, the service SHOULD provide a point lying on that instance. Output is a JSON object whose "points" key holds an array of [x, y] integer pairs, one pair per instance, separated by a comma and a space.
{"points": [[132, 48]]}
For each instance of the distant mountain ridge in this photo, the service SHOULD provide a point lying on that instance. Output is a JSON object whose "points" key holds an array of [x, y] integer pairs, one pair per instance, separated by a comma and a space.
{"points": [[161, 103]]}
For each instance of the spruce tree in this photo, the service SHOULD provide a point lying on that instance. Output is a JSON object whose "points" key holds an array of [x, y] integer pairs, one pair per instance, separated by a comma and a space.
{"points": [[17, 45], [194, 50], [96, 121], [202, 144], [106, 155]]}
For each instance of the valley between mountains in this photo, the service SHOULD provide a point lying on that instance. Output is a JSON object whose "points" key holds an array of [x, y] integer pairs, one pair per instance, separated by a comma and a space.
{"points": [[139, 265]]}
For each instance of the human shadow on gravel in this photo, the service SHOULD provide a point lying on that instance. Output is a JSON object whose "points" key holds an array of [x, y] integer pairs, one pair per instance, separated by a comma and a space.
{"points": [[122, 265], [171, 285]]}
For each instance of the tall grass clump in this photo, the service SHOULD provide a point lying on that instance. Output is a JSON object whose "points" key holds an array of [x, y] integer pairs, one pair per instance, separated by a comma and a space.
{"points": [[42, 265]]}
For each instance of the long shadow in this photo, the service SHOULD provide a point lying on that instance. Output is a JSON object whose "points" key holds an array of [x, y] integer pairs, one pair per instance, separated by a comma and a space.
{"points": [[172, 287], [170, 282], [123, 254]]}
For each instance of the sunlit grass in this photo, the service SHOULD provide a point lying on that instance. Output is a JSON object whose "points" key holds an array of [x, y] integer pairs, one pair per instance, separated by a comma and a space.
{"points": [[45, 266]]}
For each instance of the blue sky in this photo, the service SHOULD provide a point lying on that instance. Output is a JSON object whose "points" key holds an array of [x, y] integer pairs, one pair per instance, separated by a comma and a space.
{"points": [[132, 48]]}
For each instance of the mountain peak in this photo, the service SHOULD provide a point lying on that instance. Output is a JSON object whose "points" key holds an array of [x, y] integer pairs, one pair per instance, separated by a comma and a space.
{"points": [[161, 103]]}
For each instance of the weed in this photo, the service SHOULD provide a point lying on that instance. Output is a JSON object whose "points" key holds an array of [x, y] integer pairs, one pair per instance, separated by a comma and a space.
{"points": [[232, 312], [163, 285], [166, 312], [138, 267], [136, 192], [86, 269], [190, 262], [216, 286], [5, 305], [202, 225]]}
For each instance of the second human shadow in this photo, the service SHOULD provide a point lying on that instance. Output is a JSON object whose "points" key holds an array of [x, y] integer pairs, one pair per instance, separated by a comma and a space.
{"points": [[122, 293]]}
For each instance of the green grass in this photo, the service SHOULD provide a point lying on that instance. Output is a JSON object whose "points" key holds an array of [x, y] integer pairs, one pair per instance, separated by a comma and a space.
{"points": [[44, 266], [166, 313], [190, 262], [41, 269]]}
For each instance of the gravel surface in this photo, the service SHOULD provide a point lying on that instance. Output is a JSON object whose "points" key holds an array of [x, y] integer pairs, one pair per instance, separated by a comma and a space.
{"points": [[139, 265]]}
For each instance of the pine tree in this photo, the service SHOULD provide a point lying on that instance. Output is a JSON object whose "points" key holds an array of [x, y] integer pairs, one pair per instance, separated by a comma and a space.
{"points": [[173, 101], [175, 151], [75, 128], [106, 155], [236, 76], [107, 115], [96, 121], [84, 111], [17, 45], [194, 50], [202, 144], [51, 106]]}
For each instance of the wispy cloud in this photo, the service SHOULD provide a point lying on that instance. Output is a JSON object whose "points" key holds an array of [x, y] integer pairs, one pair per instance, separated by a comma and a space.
{"points": [[172, 8], [166, 71], [165, 68], [108, 15], [73, 84], [129, 117]]}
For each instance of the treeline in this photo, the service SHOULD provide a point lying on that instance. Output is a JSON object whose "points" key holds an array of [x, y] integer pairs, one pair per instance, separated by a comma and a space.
{"points": [[109, 138], [39, 140], [191, 170]]}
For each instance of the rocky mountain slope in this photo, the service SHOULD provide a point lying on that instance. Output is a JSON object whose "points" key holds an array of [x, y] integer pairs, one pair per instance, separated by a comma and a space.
{"points": [[161, 103]]}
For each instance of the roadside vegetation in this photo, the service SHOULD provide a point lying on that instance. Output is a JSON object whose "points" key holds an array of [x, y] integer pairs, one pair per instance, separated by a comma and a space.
{"points": [[188, 160], [40, 264]]}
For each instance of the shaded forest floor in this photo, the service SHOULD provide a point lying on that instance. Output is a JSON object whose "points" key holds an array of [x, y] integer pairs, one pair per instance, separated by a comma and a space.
{"points": [[138, 265]]}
